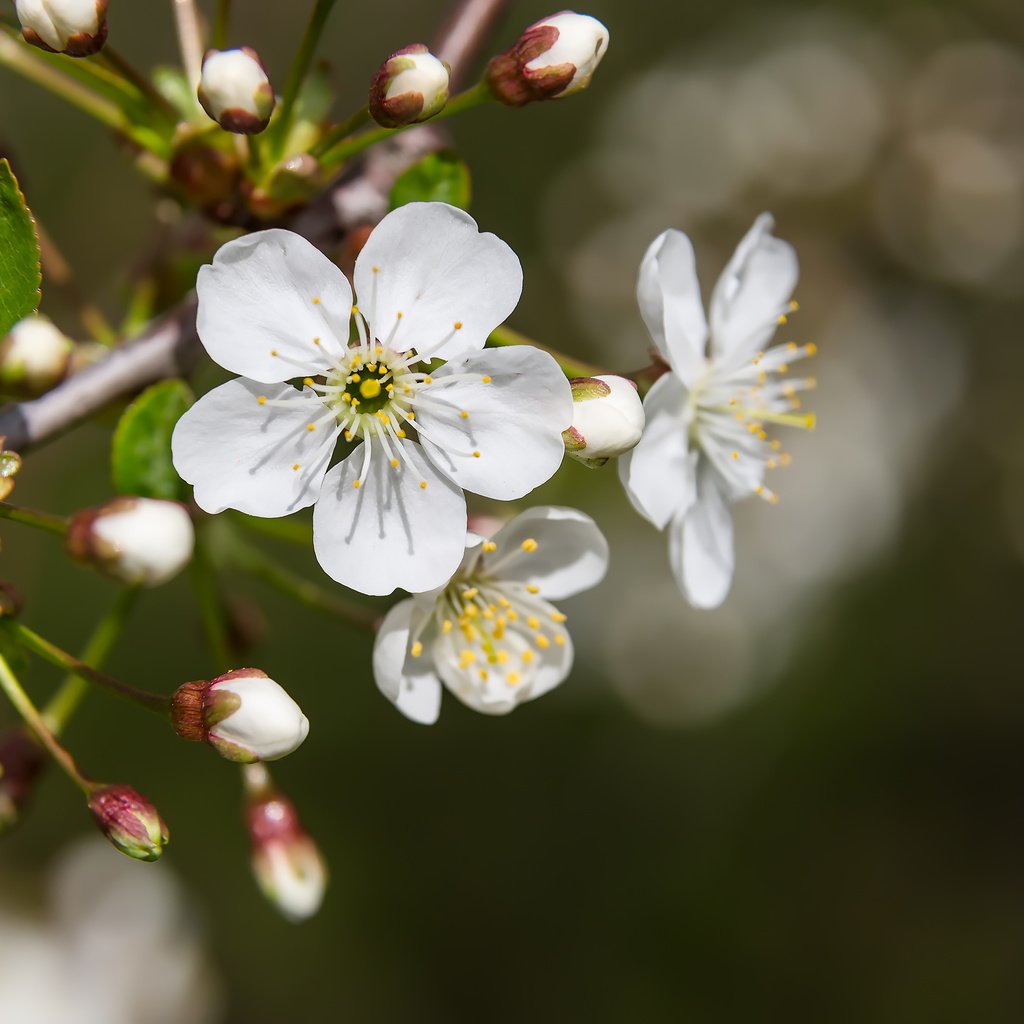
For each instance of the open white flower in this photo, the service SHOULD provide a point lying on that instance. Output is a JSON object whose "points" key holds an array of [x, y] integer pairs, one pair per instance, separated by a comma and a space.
{"points": [[491, 636], [705, 444], [392, 513]]}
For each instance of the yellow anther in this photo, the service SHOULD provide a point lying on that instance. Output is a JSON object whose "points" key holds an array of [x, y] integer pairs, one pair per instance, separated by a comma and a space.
{"points": [[542, 641], [776, 445], [356, 484], [470, 593], [527, 657], [370, 388], [316, 301], [485, 380], [355, 378], [532, 589], [355, 309], [502, 657], [759, 489], [458, 325], [483, 674], [417, 649], [529, 545], [470, 612], [308, 381], [812, 349], [512, 678], [489, 546], [503, 601], [783, 319], [476, 455], [346, 397], [533, 622], [423, 485], [401, 433], [372, 367], [311, 427], [410, 415], [783, 367], [394, 463], [316, 341], [428, 380], [735, 456], [559, 617], [792, 346], [512, 615], [464, 414], [295, 465], [400, 314], [467, 658], [559, 639], [376, 270], [389, 388], [446, 626], [262, 399], [273, 351], [794, 306]]}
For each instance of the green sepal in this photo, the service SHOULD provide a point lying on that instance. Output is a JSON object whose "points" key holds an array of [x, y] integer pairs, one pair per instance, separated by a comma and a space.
{"points": [[20, 270]]}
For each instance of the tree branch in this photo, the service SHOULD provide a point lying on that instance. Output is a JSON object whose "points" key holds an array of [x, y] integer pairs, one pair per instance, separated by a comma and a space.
{"points": [[169, 346]]}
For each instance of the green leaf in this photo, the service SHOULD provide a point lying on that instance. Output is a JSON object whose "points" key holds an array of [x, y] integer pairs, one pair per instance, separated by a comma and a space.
{"points": [[437, 178], [20, 273], [141, 454]]}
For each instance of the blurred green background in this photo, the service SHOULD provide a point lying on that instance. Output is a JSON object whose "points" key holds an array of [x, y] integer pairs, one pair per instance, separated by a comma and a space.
{"points": [[804, 806]]}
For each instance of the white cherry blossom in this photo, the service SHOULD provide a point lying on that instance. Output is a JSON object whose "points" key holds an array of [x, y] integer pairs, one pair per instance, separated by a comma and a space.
{"points": [[491, 636], [392, 512], [706, 445]]}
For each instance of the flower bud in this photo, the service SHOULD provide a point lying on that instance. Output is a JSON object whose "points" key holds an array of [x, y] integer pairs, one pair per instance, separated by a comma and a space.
{"points": [[551, 59], [140, 541], [75, 27], [244, 715], [411, 86], [607, 419], [34, 356], [235, 91], [21, 762], [129, 821], [287, 864]]}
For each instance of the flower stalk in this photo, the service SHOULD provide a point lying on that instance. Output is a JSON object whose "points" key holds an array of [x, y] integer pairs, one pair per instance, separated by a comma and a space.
{"points": [[502, 337], [30, 517]]}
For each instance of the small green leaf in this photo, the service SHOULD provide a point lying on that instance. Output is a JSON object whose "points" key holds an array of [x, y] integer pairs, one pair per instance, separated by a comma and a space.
{"points": [[141, 454], [437, 178], [20, 274]]}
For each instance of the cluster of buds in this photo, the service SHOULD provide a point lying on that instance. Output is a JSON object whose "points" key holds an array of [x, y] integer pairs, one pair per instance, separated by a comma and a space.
{"points": [[139, 541], [244, 715], [129, 821], [75, 27], [607, 419], [34, 357], [551, 59], [286, 861], [235, 91], [411, 86]]}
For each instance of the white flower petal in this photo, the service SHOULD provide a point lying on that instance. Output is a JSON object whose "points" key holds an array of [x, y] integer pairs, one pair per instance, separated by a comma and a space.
{"points": [[559, 550], [485, 687], [701, 544], [752, 293], [515, 422], [668, 293], [411, 684], [658, 473], [272, 291], [240, 454], [428, 279], [390, 532]]}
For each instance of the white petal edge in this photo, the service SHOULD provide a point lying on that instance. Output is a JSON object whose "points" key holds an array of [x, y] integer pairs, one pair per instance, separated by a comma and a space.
{"points": [[272, 291], [390, 532], [411, 684], [427, 268], [569, 553], [240, 454], [701, 548], [752, 293], [658, 474], [668, 293], [515, 422]]}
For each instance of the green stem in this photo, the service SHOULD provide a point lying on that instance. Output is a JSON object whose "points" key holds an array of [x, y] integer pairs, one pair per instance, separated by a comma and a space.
{"points": [[24, 706], [33, 65], [503, 336], [211, 607], [33, 642], [340, 131], [113, 60], [64, 703], [253, 561], [299, 70], [332, 158], [40, 520], [221, 24]]}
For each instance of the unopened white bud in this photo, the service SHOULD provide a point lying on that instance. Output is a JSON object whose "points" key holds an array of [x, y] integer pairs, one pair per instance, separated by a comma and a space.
{"points": [[607, 419], [244, 715], [411, 86], [34, 356], [75, 27], [140, 541], [286, 861], [235, 91], [551, 59]]}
